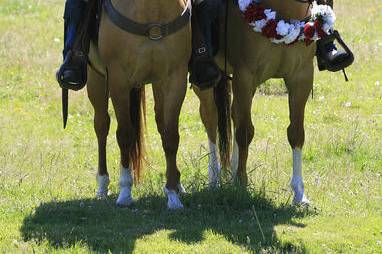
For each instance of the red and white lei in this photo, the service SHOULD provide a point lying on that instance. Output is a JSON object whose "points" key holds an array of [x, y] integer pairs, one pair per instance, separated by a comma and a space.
{"points": [[280, 31]]}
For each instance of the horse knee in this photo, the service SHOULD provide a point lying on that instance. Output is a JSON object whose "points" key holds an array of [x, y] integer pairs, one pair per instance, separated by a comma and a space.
{"points": [[123, 138], [159, 122], [101, 124], [170, 140], [244, 135], [296, 135]]}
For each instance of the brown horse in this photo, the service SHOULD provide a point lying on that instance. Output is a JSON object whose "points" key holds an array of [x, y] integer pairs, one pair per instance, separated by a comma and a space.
{"points": [[253, 59], [122, 63]]}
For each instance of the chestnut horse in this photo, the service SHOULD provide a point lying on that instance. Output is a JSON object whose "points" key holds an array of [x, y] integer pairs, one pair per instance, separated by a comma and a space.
{"points": [[253, 59], [122, 63]]}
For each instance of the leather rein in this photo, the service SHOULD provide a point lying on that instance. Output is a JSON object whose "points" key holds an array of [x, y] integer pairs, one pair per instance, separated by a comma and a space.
{"points": [[305, 1], [154, 31]]}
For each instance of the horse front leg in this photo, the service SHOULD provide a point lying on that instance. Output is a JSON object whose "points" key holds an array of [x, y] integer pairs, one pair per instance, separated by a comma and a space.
{"points": [[99, 98], [299, 88], [120, 95], [208, 114], [169, 96]]}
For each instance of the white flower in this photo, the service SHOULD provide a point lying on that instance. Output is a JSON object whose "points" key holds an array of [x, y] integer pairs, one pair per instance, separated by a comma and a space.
{"points": [[326, 27], [243, 4], [270, 14], [326, 12], [293, 31], [282, 28], [293, 34], [259, 24]]}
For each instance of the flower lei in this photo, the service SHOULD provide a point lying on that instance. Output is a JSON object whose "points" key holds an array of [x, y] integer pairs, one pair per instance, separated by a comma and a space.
{"points": [[264, 21]]}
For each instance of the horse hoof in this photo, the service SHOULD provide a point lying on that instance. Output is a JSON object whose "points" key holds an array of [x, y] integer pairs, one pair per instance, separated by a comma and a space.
{"points": [[299, 192], [103, 186], [304, 201], [173, 202], [125, 199]]}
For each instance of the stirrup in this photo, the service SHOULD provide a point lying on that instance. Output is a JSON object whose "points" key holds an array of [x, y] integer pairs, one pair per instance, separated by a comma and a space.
{"points": [[324, 63], [76, 62]]}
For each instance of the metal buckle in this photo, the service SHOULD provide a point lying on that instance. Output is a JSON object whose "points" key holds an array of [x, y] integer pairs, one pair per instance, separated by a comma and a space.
{"points": [[155, 32], [201, 50]]}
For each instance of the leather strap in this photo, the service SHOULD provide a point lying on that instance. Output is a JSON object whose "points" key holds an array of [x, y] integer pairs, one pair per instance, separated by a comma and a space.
{"points": [[199, 46], [154, 31]]}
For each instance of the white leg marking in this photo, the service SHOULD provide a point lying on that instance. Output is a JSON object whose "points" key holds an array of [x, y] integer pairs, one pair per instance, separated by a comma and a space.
{"points": [[234, 158], [173, 202], [181, 189], [214, 167], [297, 181], [103, 186], [125, 184]]}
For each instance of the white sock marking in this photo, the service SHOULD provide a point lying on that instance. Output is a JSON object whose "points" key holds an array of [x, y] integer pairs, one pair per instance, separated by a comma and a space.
{"points": [[173, 202], [213, 166], [125, 183], [297, 182], [234, 158], [103, 185]]}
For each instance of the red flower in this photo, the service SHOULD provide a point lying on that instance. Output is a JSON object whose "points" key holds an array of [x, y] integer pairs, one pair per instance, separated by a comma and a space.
{"points": [[254, 12], [269, 30], [309, 31], [318, 26]]}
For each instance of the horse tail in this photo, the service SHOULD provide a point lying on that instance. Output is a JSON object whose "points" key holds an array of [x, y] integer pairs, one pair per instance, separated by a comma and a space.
{"points": [[222, 96], [138, 121]]}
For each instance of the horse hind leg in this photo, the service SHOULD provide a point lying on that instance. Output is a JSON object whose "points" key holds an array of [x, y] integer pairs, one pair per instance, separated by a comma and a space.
{"points": [[99, 98], [208, 114], [299, 88], [169, 96]]}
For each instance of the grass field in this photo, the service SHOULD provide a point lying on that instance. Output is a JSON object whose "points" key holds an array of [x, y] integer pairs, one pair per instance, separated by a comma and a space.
{"points": [[47, 175]]}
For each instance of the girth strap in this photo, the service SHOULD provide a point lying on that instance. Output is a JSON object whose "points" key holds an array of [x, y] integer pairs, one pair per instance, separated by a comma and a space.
{"points": [[154, 31]]}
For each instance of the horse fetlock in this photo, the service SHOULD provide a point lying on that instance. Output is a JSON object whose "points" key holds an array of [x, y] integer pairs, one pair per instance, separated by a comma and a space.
{"points": [[214, 170], [299, 191], [173, 202], [235, 159], [242, 179], [103, 185], [125, 198], [126, 179], [214, 167]]}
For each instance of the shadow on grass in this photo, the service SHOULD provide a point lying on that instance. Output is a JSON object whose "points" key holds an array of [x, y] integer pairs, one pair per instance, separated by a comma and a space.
{"points": [[102, 226]]}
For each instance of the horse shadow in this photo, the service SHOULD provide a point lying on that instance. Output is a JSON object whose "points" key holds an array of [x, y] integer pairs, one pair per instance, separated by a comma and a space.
{"points": [[243, 218]]}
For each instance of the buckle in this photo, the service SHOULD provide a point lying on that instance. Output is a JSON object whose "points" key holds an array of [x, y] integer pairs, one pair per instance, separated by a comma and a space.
{"points": [[155, 32], [201, 50]]}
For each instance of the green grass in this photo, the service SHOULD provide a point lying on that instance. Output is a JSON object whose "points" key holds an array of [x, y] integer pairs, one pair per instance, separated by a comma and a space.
{"points": [[47, 175]]}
